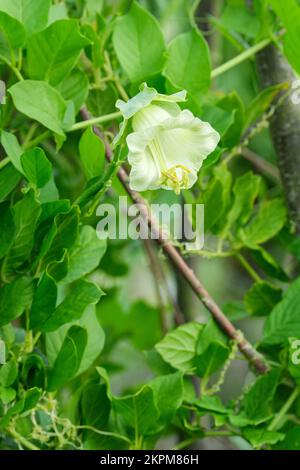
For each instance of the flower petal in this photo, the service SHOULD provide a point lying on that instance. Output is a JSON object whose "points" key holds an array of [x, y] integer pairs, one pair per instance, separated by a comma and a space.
{"points": [[144, 98], [187, 141], [144, 172], [154, 114]]}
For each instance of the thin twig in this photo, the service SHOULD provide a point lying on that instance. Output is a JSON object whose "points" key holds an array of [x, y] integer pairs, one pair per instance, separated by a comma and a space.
{"points": [[262, 165], [187, 273], [161, 281]]}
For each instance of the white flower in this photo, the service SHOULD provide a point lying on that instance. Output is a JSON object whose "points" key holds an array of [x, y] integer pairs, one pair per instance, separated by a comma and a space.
{"points": [[167, 146]]}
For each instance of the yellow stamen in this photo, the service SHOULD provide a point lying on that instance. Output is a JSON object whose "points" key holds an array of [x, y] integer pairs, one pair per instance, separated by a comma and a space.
{"points": [[172, 179]]}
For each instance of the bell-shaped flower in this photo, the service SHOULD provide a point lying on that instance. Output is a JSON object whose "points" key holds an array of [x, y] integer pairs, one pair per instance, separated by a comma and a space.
{"points": [[167, 146]]}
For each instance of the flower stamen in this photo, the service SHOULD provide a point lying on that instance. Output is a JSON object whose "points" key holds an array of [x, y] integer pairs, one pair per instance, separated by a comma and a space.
{"points": [[177, 177]]}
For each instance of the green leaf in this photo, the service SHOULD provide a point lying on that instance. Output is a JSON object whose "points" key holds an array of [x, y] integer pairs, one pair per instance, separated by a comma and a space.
{"points": [[62, 235], [257, 401], [44, 301], [178, 347], [212, 359], [33, 14], [8, 373], [7, 228], [262, 298], [188, 63], [59, 269], [269, 264], [138, 412], [75, 88], [212, 404], [101, 102], [168, 394], [7, 395], [239, 19], [31, 398], [210, 333], [232, 104], [54, 52], [284, 320], [13, 149], [82, 295], [92, 154], [258, 231], [95, 339], [69, 358], [289, 14], [9, 178], [39, 101], [139, 44], [53, 208], [12, 30], [33, 371], [14, 299], [144, 325], [216, 198], [25, 213], [213, 158], [213, 203], [220, 119], [85, 255], [262, 103], [36, 166], [291, 440], [246, 190], [262, 437], [95, 405]]}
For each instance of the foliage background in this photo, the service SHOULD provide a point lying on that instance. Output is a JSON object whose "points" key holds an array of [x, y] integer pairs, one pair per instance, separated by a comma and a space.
{"points": [[90, 348]]}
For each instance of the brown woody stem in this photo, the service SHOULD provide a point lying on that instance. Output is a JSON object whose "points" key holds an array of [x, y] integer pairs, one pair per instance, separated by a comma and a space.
{"points": [[285, 127], [187, 273]]}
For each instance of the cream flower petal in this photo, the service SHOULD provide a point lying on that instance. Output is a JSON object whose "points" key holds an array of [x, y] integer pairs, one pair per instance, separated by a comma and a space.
{"points": [[144, 174], [170, 154], [154, 114], [144, 98], [187, 140], [167, 146]]}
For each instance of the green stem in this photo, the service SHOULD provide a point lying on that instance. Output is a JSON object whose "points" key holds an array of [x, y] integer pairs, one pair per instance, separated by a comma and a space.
{"points": [[4, 162], [248, 267], [251, 51], [12, 67], [97, 120], [104, 433], [22, 440], [30, 134], [275, 424], [36, 141]]}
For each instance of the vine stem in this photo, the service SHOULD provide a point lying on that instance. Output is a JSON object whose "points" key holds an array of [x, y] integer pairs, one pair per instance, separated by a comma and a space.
{"points": [[182, 267], [37, 140], [97, 120], [248, 267], [104, 433], [251, 51], [275, 424], [22, 440], [4, 162]]}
